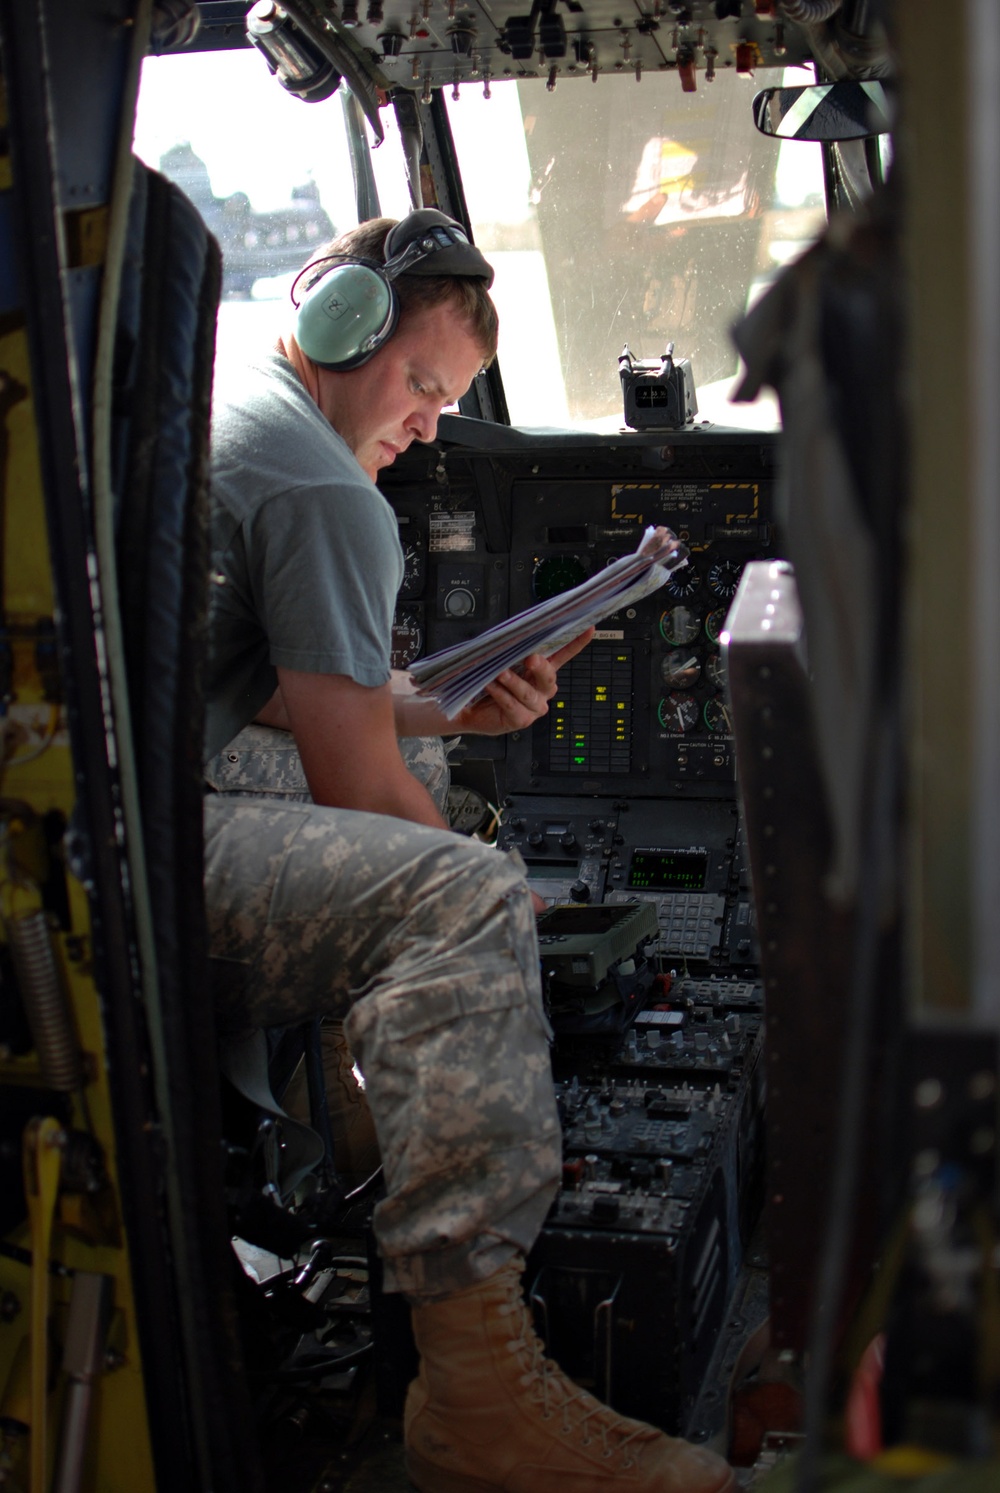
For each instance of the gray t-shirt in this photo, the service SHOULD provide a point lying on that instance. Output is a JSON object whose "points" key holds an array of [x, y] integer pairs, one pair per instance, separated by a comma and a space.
{"points": [[306, 559]]}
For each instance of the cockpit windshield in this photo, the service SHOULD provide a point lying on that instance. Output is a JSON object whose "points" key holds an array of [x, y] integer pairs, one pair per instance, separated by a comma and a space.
{"points": [[621, 214], [616, 212]]}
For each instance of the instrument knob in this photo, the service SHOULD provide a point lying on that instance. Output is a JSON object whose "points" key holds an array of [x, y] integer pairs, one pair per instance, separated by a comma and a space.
{"points": [[459, 603]]}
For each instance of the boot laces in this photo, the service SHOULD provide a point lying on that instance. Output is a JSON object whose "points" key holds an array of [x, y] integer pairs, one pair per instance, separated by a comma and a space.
{"points": [[554, 1392]]}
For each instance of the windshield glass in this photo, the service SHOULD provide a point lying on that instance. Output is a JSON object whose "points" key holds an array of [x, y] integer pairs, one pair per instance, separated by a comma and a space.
{"points": [[617, 213], [613, 213], [270, 175]]}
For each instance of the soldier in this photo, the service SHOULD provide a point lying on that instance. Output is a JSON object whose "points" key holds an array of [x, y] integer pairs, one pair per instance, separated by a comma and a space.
{"points": [[358, 905]]}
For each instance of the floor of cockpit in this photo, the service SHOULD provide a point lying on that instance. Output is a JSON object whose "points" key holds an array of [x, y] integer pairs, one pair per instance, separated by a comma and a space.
{"points": [[343, 1433]]}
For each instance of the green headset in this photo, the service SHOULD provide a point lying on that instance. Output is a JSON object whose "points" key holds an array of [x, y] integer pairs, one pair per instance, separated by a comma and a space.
{"points": [[351, 309]]}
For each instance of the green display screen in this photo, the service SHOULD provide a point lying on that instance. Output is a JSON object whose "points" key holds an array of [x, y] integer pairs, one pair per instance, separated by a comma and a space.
{"points": [[668, 870]]}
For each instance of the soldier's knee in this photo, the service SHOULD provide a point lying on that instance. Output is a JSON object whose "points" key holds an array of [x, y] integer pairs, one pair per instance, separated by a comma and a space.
{"points": [[480, 877]]}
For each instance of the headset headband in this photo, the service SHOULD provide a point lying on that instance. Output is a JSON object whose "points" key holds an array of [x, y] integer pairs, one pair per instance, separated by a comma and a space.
{"points": [[350, 309], [426, 242]]}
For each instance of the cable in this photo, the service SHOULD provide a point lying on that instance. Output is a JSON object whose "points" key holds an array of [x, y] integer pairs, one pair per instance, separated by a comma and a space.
{"points": [[365, 1187]]}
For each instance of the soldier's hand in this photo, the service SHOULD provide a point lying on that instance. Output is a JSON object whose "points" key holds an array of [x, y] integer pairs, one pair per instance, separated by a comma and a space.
{"points": [[518, 697]]}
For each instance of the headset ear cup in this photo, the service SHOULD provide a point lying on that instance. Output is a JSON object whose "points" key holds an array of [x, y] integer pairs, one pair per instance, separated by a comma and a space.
{"points": [[346, 316]]}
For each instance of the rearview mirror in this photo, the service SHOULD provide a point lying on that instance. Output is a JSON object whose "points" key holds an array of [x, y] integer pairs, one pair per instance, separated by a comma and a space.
{"points": [[823, 111]]}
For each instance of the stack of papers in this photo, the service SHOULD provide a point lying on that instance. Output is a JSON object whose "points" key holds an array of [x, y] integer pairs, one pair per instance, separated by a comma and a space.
{"points": [[458, 675]]}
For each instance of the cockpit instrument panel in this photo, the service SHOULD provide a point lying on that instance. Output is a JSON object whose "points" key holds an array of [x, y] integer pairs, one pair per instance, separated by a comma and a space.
{"points": [[643, 710]]}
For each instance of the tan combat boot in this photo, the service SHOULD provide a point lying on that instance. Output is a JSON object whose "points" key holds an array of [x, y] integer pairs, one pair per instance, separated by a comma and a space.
{"points": [[489, 1413]]}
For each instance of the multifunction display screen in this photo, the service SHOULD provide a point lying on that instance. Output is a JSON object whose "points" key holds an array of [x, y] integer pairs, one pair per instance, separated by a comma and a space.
{"points": [[668, 870]]}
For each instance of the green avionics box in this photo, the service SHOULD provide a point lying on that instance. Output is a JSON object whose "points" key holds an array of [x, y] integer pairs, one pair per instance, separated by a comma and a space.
{"points": [[579, 945]]}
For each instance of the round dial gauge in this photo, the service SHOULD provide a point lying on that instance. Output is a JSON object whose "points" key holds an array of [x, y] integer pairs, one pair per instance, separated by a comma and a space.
{"points": [[555, 574], [715, 623], [677, 714], [715, 670], [685, 582], [681, 669], [679, 625], [717, 718], [414, 564], [723, 578], [407, 637]]}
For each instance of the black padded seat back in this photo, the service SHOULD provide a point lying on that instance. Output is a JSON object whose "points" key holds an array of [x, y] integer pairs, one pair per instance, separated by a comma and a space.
{"points": [[164, 353], [163, 398]]}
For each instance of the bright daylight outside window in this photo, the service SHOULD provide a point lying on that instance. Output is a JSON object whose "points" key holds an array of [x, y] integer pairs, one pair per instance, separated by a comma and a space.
{"points": [[616, 212], [621, 213], [270, 175]]}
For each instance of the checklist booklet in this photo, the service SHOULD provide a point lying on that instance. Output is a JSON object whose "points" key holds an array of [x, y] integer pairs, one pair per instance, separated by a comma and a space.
{"points": [[458, 675]]}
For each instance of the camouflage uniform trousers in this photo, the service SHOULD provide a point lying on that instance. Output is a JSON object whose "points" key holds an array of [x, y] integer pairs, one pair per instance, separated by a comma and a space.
{"points": [[425, 944], [264, 760]]}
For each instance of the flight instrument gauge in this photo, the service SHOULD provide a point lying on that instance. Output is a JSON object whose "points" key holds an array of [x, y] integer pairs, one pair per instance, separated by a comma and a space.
{"points": [[677, 714], [684, 582], [723, 578], [715, 670], [555, 574], [681, 669], [679, 625], [414, 569], [717, 717], [715, 623], [407, 637]]}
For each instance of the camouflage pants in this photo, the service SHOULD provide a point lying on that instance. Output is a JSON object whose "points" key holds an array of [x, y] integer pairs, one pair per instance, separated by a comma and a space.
{"points": [[425, 943], [264, 760]]}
